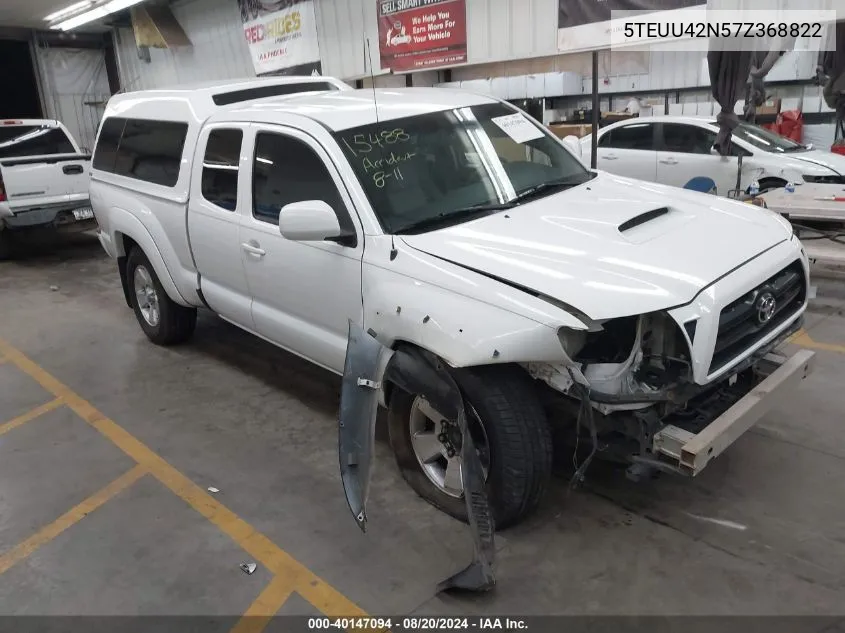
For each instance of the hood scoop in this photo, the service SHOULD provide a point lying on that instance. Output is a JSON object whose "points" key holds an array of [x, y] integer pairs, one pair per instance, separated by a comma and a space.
{"points": [[641, 219]]}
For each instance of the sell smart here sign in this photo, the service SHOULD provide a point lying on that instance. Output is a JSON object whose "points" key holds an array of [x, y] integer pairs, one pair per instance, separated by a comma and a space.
{"points": [[419, 34]]}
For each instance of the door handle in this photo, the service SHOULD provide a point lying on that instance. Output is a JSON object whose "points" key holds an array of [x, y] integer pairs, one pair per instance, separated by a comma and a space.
{"points": [[253, 249], [72, 169], [669, 161], [610, 157]]}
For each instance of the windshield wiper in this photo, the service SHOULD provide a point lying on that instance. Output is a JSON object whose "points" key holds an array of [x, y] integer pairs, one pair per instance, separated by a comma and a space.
{"points": [[455, 217], [551, 185]]}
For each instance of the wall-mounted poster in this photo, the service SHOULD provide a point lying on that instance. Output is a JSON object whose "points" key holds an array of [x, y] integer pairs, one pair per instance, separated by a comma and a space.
{"points": [[280, 34], [417, 34], [586, 24]]}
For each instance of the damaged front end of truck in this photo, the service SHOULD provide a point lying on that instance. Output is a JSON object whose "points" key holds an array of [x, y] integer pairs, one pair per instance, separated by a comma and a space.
{"points": [[664, 391]]}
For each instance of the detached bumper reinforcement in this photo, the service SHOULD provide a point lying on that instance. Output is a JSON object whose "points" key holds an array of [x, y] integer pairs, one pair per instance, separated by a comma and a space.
{"points": [[691, 452]]}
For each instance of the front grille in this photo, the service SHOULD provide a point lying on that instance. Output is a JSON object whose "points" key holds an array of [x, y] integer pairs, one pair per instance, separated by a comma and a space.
{"points": [[744, 322], [826, 180]]}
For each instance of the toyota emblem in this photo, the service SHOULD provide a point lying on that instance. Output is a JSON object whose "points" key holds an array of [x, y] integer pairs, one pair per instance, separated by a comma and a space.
{"points": [[765, 306]]}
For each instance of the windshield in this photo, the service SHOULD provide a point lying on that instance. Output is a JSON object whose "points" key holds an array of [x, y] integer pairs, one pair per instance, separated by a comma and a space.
{"points": [[768, 141], [438, 168]]}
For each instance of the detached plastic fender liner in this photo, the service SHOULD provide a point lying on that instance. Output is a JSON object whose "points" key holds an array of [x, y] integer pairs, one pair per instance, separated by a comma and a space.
{"points": [[356, 421], [420, 372]]}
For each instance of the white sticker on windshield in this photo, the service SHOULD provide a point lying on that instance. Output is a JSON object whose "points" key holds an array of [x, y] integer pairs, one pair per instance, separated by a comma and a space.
{"points": [[518, 127]]}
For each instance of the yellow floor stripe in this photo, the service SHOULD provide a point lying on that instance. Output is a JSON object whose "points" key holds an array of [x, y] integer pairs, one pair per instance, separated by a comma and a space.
{"points": [[802, 338], [69, 518], [30, 415], [265, 606], [319, 593]]}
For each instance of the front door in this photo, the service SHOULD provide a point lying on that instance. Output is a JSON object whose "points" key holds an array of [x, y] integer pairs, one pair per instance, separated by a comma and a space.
{"points": [[685, 159], [304, 293], [217, 206], [629, 150]]}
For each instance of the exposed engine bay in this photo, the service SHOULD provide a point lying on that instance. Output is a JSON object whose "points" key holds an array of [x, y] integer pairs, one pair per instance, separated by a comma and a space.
{"points": [[630, 378], [627, 363]]}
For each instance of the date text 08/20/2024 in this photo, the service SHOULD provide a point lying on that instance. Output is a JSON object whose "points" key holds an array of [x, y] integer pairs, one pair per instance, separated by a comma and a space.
{"points": [[420, 623]]}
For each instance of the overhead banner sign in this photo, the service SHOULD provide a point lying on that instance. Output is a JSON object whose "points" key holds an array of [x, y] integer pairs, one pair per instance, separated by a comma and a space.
{"points": [[281, 34], [587, 25], [418, 34]]}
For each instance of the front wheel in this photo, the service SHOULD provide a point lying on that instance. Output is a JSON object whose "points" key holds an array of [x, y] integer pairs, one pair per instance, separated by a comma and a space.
{"points": [[162, 320], [509, 429]]}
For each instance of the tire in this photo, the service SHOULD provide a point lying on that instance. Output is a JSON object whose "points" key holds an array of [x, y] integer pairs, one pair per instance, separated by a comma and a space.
{"points": [[518, 436], [175, 324], [6, 245]]}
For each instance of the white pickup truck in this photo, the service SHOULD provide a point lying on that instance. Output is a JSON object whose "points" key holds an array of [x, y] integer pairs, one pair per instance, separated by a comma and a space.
{"points": [[43, 180], [456, 263]]}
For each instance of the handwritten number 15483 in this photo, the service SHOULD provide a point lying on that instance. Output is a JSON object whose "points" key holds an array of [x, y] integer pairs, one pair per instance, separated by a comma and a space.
{"points": [[363, 143]]}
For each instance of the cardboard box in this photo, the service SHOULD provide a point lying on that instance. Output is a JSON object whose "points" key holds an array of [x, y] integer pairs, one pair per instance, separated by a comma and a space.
{"points": [[613, 117], [772, 106], [562, 130]]}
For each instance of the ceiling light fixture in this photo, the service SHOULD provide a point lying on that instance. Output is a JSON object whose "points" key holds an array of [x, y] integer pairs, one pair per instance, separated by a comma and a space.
{"points": [[68, 10], [94, 13]]}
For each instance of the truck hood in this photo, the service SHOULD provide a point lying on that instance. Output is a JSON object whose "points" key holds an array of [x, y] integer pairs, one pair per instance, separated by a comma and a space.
{"points": [[832, 161], [612, 247]]}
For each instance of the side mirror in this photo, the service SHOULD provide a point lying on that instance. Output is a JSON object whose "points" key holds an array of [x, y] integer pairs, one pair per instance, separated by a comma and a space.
{"points": [[574, 145], [309, 221]]}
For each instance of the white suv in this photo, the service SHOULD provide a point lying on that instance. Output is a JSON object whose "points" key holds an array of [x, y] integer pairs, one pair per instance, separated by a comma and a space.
{"points": [[673, 150], [458, 264]]}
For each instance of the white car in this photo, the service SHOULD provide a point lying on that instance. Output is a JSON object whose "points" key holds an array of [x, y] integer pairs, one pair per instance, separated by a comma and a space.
{"points": [[456, 263], [43, 180], [673, 150]]}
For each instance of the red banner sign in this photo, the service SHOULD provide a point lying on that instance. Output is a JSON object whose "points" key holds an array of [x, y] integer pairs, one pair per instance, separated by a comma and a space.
{"points": [[418, 34]]}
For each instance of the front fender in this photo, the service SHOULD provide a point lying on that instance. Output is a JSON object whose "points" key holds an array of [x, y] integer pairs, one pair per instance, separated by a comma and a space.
{"points": [[463, 331]]}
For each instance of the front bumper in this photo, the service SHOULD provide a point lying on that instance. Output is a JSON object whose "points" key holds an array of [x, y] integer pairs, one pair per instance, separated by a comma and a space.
{"points": [[689, 453]]}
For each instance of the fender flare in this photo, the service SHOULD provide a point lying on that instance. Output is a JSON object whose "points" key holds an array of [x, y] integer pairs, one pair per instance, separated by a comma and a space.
{"points": [[122, 223]]}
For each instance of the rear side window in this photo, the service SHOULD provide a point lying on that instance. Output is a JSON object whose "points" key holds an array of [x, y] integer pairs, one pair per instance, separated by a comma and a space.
{"points": [[635, 136], [151, 151], [105, 153], [220, 168], [30, 140], [142, 149]]}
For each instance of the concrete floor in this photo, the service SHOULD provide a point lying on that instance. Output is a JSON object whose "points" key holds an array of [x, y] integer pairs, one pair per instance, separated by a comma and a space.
{"points": [[759, 532]]}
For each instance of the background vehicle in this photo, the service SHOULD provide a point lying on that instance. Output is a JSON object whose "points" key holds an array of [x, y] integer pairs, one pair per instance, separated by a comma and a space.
{"points": [[448, 224], [43, 180], [672, 150]]}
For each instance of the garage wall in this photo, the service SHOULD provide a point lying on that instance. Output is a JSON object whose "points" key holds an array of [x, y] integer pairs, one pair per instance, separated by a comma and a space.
{"points": [[75, 89], [506, 38], [497, 30], [218, 52]]}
